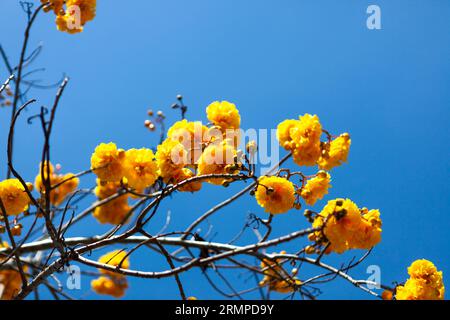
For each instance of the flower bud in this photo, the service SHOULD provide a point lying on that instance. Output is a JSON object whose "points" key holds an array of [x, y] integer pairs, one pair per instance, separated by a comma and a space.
{"points": [[310, 250], [16, 230]]}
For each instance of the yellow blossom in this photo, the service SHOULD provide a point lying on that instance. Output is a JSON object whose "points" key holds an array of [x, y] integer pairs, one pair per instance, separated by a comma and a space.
{"points": [[302, 138], [115, 258], [218, 158], [284, 135], [10, 280], [346, 227], [419, 289], [275, 194], [104, 189], [140, 168], [67, 183], [77, 13], [425, 283], [191, 135], [87, 9], [113, 212], [110, 286], [224, 115], [335, 153], [171, 157], [316, 188], [306, 138], [14, 197], [184, 174], [276, 278], [107, 162], [422, 269]]}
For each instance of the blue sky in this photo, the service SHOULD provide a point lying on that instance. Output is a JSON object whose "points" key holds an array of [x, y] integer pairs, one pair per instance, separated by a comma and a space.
{"points": [[275, 60]]}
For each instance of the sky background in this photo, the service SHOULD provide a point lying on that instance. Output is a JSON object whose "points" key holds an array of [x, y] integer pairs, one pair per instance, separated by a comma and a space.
{"points": [[275, 60]]}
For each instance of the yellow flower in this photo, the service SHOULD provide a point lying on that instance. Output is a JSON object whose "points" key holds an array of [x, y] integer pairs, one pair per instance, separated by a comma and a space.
{"points": [[422, 269], [104, 189], [302, 138], [115, 258], [224, 115], [140, 168], [113, 212], [10, 280], [425, 283], [107, 162], [316, 188], [306, 138], [276, 278], [110, 286], [14, 197], [419, 289], [347, 227], [77, 13], [217, 158], [187, 130], [275, 194], [184, 174], [335, 153], [191, 135], [171, 157], [58, 194], [87, 9], [284, 130]]}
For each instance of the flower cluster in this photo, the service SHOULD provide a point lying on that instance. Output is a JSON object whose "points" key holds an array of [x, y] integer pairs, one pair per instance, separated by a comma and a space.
{"points": [[14, 196], [219, 158], [189, 155], [107, 162], [114, 211], [425, 283], [278, 195], [137, 167], [343, 226], [74, 16], [302, 138], [10, 280], [171, 157], [189, 147], [61, 184], [140, 168], [276, 278], [275, 194], [316, 188], [224, 115], [112, 283]]}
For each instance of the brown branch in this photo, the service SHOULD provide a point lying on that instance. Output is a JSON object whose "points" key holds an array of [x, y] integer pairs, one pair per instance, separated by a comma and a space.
{"points": [[19, 73]]}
